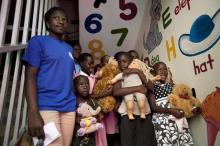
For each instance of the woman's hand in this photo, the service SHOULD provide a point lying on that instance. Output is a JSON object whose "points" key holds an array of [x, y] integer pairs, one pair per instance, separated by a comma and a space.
{"points": [[178, 113], [35, 125]]}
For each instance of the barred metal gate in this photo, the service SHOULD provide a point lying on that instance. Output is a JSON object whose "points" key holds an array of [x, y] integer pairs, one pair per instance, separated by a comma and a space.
{"points": [[19, 20]]}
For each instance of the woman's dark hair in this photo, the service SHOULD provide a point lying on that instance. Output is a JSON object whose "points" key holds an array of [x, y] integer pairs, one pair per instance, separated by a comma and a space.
{"points": [[84, 56], [50, 12]]}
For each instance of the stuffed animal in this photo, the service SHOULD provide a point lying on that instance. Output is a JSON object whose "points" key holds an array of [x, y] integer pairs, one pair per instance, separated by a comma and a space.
{"points": [[182, 98], [138, 64], [106, 73], [88, 123], [211, 113]]}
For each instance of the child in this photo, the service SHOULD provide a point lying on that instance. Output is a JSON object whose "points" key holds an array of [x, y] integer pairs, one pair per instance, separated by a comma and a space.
{"points": [[137, 132], [124, 60], [166, 130], [86, 62], [104, 60], [76, 53], [82, 89], [134, 54]]}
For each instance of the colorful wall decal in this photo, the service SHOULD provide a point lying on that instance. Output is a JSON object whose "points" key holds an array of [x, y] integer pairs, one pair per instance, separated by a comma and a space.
{"points": [[154, 36], [109, 26], [204, 34]]}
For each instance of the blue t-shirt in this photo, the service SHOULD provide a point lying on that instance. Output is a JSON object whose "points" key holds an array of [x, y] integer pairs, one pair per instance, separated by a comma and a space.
{"points": [[54, 61]]}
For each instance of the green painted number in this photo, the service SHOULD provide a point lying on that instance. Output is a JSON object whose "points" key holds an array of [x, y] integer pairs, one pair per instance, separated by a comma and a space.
{"points": [[123, 31]]}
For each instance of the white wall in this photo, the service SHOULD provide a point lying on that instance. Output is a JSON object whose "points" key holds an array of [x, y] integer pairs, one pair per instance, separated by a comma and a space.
{"points": [[181, 65]]}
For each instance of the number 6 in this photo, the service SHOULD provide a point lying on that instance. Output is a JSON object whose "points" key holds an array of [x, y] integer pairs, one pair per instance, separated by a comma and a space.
{"points": [[90, 21]]}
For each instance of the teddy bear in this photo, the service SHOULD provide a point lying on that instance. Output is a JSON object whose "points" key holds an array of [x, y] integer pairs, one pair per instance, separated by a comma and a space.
{"points": [[106, 73], [182, 98], [88, 123]]}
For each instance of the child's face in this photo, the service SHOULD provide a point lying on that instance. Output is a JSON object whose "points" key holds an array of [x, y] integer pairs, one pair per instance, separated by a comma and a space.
{"points": [[77, 51], [123, 62], [88, 65], [105, 60], [134, 55], [82, 86], [162, 71]]}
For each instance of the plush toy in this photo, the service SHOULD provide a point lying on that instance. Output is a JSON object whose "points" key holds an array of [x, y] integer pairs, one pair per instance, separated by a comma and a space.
{"points": [[211, 113], [88, 123], [138, 64], [106, 73], [182, 98], [133, 80]]}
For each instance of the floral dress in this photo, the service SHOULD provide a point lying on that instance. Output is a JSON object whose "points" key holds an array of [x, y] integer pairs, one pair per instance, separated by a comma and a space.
{"points": [[166, 130]]}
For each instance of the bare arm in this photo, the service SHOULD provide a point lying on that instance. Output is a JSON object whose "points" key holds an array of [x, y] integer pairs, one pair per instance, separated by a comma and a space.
{"points": [[157, 109], [119, 91], [35, 121], [147, 83]]}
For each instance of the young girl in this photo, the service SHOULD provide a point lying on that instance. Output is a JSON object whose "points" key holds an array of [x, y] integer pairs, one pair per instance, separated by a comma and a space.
{"points": [[137, 132], [124, 60], [166, 130], [82, 89], [87, 69], [48, 80]]}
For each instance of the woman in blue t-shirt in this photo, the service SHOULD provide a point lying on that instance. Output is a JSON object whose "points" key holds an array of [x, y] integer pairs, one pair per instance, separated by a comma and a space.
{"points": [[48, 80]]}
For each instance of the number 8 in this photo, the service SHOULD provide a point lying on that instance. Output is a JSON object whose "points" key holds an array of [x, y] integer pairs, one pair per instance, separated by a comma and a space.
{"points": [[96, 49]]}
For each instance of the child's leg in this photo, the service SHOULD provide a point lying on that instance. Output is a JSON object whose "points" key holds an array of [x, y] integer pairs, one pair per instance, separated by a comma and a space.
{"points": [[67, 126], [49, 116], [130, 105], [141, 98]]}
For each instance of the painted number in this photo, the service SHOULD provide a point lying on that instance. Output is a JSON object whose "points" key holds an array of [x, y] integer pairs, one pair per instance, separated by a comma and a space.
{"points": [[123, 31], [93, 25], [127, 6], [96, 49], [98, 2]]}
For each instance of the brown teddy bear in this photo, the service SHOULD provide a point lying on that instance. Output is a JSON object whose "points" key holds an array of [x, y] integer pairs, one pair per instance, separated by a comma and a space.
{"points": [[106, 73], [182, 98]]}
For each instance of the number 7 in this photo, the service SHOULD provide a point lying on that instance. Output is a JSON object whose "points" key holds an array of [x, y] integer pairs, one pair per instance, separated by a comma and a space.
{"points": [[123, 31]]}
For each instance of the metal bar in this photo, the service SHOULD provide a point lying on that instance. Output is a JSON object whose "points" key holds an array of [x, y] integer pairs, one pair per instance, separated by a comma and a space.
{"points": [[40, 16], [14, 39], [12, 99], [34, 21], [45, 10], [5, 49], [26, 21], [24, 39], [24, 115], [21, 94], [3, 20], [5, 80]]}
